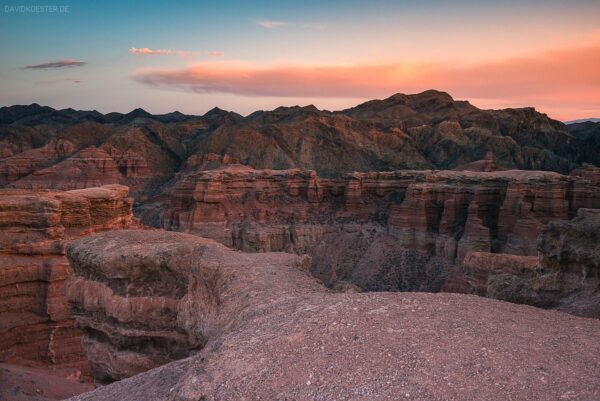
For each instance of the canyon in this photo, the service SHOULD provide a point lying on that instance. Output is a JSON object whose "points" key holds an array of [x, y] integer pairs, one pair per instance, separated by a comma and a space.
{"points": [[37, 329], [348, 242], [391, 231]]}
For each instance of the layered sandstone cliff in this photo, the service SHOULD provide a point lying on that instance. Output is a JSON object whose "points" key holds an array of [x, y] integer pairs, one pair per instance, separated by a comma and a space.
{"points": [[570, 264], [35, 228], [443, 213], [565, 275], [403, 230], [256, 326]]}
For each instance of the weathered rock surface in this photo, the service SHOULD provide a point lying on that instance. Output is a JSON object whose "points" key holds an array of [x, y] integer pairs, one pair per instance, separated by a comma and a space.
{"points": [[267, 330], [144, 298], [565, 275], [39, 383], [35, 228], [91, 167], [570, 263], [13, 168], [502, 276]]}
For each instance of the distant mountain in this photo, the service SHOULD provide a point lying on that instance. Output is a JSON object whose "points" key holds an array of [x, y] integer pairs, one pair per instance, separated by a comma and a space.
{"points": [[429, 130], [589, 132], [582, 120], [34, 114]]}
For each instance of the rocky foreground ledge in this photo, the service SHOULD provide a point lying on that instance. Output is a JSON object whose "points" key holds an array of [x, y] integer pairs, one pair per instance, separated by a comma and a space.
{"points": [[258, 326]]}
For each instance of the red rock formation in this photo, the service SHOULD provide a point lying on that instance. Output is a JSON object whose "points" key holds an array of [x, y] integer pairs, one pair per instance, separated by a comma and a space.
{"points": [[366, 226], [35, 227], [91, 167], [476, 236], [131, 165], [143, 299], [485, 165], [15, 167], [270, 331], [565, 275], [570, 264], [425, 210], [501, 276], [588, 172], [208, 161]]}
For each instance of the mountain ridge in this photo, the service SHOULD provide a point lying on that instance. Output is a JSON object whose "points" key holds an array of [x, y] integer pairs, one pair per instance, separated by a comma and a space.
{"points": [[429, 130]]}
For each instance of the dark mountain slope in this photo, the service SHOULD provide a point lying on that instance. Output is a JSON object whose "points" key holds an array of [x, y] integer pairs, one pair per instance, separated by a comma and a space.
{"points": [[426, 130]]}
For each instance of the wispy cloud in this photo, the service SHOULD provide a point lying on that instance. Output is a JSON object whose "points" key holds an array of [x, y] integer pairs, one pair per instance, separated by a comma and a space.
{"points": [[144, 51], [562, 76], [271, 24], [56, 64], [56, 81]]}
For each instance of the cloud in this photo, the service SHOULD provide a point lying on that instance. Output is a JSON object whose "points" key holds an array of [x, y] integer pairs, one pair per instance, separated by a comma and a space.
{"points": [[144, 51], [282, 81], [56, 64], [55, 81], [560, 76], [270, 24]]}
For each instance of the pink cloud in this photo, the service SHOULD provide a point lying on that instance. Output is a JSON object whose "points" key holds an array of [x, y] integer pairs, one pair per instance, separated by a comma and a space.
{"points": [[147, 51], [283, 81], [144, 51], [562, 76]]}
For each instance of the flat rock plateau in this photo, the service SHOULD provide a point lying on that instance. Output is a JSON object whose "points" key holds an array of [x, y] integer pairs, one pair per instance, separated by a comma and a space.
{"points": [[414, 247]]}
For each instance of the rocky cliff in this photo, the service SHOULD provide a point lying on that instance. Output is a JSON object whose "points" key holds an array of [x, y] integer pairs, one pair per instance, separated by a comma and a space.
{"points": [[35, 228], [257, 326], [565, 275], [403, 230]]}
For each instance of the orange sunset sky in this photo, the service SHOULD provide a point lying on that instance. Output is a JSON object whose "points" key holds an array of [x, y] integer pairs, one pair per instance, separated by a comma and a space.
{"points": [[244, 56]]}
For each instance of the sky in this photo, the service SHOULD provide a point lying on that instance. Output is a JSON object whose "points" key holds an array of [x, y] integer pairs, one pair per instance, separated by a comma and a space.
{"points": [[246, 55]]}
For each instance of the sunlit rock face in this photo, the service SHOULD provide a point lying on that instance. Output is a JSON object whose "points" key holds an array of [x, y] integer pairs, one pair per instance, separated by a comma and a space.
{"points": [[35, 228]]}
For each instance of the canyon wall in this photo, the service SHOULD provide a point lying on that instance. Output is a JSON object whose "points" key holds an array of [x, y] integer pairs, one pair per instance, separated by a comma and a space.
{"points": [[565, 275], [402, 230], [35, 228], [445, 213], [258, 326]]}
